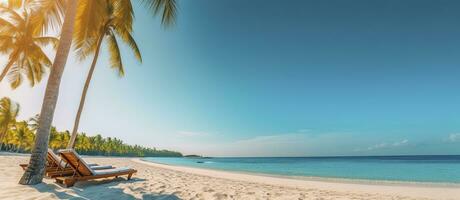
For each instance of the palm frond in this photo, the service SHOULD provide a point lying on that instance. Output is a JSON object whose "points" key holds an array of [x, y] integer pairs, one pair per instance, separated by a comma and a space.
{"points": [[15, 75], [30, 72], [7, 27], [133, 45], [88, 47], [123, 14], [11, 60], [39, 70], [39, 56], [8, 113], [90, 18], [6, 44], [129, 40], [47, 14], [10, 15], [15, 109], [14, 4], [43, 41], [167, 8], [115, 56], [35, 69]]}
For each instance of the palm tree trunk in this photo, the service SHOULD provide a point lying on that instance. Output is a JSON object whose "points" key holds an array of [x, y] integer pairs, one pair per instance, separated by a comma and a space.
{"points": [[34, 173], [71, 144]]}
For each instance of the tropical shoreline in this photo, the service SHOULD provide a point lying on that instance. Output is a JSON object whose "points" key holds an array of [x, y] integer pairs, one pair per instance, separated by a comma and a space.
{"points": [[418, 189], [304, 178], [174, 182], [418, 170], [324, 179]]}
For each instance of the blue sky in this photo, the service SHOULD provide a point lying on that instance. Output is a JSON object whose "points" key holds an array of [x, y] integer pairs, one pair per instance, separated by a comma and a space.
{"points": [[264, 78]]}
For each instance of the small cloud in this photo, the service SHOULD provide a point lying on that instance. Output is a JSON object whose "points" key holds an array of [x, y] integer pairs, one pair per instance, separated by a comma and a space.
{"points": [[272, 139], [377, 146], [454, 137], [192, 134], [288, 144], [401, 143], [385, 145]]}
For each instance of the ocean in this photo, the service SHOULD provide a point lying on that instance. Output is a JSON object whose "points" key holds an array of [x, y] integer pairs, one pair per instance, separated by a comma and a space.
{"points": [[431, 169]]}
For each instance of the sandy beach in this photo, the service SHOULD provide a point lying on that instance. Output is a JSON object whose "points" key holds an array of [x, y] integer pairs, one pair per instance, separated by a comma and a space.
{"points": [[158, 181]]}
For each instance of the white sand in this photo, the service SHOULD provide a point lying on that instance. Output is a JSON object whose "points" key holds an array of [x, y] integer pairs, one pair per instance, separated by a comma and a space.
{"points": [[157, 181]]}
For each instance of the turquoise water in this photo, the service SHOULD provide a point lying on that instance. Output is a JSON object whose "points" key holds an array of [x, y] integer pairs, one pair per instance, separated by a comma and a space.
{"points": [[436, 169]]}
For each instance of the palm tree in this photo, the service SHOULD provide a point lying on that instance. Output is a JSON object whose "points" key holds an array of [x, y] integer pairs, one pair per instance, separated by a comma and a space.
{"points": [[34, 173], [8, 113], [33, 123], [55, 139], [82, 143], [98, 143], [116, 21], [21, 40], [23, 136], [35, 170]]}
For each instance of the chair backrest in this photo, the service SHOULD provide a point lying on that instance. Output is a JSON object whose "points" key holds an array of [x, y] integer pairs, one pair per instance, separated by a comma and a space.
{"points": [[55, 160], [50, 161], [76, 162]]}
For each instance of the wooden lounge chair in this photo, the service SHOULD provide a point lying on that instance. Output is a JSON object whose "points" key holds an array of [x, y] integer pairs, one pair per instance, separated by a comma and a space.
{"points": [[55, 166], [82, 171]]}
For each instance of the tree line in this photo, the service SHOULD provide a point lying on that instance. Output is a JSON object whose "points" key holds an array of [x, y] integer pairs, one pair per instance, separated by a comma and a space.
{"points": [[19, 136]]}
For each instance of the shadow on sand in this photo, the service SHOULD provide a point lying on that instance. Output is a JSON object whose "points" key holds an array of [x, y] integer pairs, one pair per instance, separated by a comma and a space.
{"points": [[103, 189]]}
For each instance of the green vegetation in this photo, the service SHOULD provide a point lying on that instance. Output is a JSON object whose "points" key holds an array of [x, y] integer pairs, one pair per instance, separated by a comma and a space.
{"points": [[19, 136]]}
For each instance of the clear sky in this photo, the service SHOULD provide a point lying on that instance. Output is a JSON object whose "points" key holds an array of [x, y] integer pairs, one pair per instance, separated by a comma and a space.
{"points": [[276, 78]]}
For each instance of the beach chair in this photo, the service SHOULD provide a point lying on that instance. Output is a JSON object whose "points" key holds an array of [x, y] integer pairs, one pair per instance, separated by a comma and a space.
{"points": [[55, 166], [82, 171]]}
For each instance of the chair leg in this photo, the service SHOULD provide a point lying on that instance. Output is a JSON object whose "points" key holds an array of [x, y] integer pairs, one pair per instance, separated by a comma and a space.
{"points": [[69, 182], [59, 181]]}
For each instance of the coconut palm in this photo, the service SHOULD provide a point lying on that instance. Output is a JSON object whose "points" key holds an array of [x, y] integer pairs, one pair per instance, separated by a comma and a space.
{"points": [[55, 139], [114, 24], [33, 123], [22, 136], [8, 140], [35, 170], [117, 21], [8, 113], [34, 173], [23, 43], [83, 143]]}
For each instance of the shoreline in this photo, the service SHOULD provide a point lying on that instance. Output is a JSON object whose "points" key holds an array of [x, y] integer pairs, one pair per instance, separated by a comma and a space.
{"points": [[413, 189], [324, 179], [160, 181], [302, 178]]}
